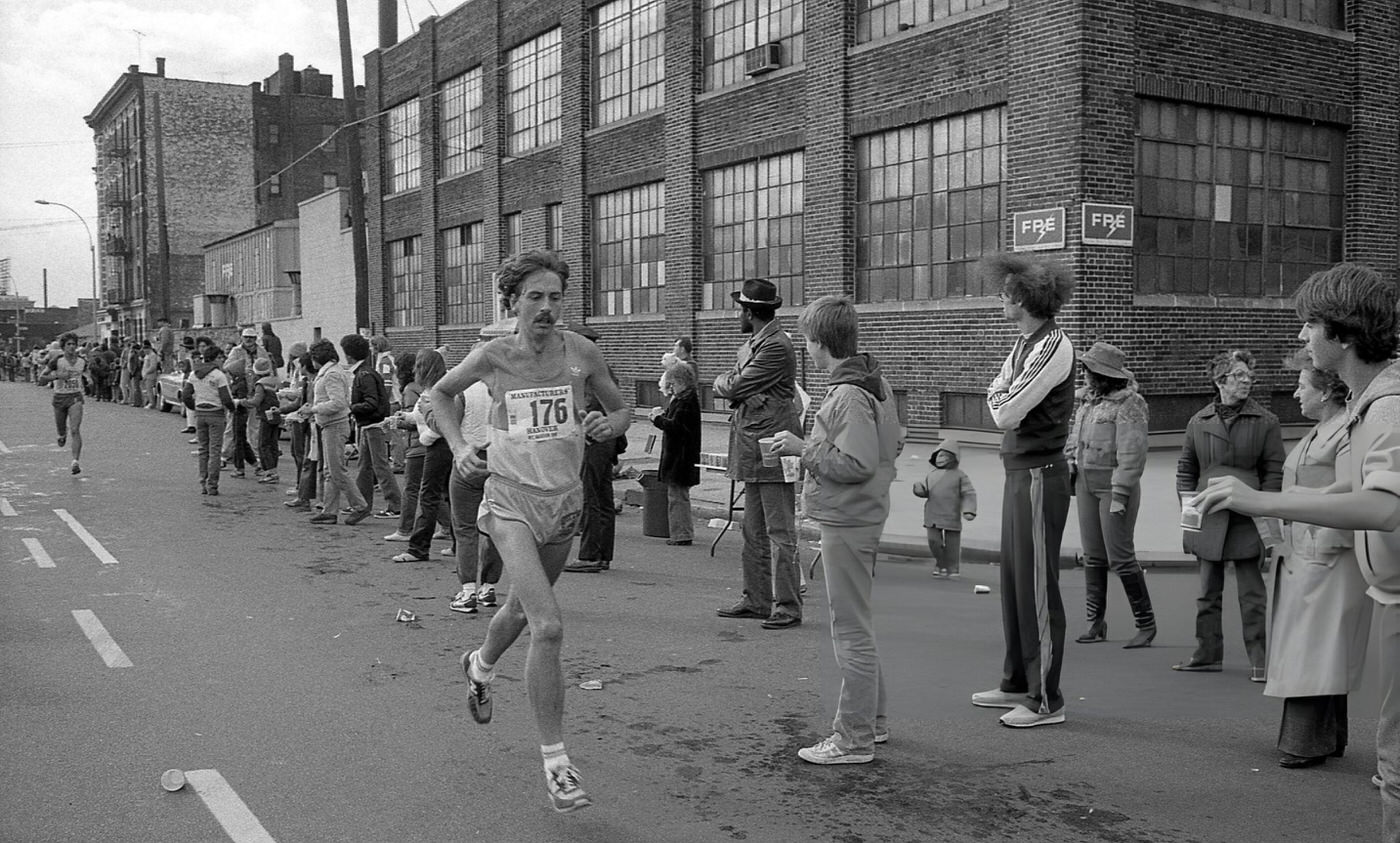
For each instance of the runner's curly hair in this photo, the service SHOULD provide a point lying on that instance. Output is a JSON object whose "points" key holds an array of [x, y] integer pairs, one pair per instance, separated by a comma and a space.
{"points": [[522, 265]]}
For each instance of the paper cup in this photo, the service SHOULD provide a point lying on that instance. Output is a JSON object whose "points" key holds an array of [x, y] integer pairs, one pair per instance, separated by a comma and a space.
{"points": [[765, 446], [1190, 515]]}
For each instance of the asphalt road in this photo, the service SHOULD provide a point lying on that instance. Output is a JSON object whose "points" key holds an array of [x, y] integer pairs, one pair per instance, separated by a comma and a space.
{"points": [[263, 652]]}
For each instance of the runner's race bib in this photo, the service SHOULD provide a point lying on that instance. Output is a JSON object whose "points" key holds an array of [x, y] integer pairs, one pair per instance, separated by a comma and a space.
{"points": [[541, 414]]}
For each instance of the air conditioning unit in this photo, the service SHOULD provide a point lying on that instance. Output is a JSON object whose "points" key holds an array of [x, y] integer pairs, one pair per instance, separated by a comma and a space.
{"points": [[765, 58]]}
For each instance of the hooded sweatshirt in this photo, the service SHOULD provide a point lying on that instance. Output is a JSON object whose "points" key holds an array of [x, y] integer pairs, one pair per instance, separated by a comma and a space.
{"points": [[850, 455], [209, 387], [1371, 457], [949, 491]]}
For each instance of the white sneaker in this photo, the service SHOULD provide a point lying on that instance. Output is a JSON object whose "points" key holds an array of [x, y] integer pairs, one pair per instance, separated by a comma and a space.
{"points": [[1022, 717], [486, 596], [828, 751], [397, 536], [997, 698]]}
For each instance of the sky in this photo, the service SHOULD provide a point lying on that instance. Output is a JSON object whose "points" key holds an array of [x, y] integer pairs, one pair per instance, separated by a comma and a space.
{"points": [[59, 57]]}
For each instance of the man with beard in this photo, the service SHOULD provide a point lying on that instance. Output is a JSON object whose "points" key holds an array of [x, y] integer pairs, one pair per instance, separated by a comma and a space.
{"points": [[760, 388]]}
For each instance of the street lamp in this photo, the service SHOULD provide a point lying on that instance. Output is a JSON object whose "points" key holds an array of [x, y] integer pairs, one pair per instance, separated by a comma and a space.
{"points": [[92, 251]]}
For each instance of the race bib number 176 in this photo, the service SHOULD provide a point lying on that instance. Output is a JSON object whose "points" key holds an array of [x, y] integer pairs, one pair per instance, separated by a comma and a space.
{"points": [[543, 413]]}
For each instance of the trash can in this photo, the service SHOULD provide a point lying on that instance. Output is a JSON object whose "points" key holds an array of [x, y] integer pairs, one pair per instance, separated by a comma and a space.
{"points": [[654, 520]]}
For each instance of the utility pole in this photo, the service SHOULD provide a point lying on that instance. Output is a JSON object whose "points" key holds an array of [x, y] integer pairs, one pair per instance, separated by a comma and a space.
{"points": [[357, 184]]}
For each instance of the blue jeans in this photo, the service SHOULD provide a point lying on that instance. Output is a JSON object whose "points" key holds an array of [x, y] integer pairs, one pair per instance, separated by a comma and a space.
{"points": [[770, 530], [848, 563], [209, 431], [374, 466]]}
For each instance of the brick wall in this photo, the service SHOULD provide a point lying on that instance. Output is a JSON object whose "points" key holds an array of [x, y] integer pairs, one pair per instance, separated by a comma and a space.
{"points": [[1071, 75]]}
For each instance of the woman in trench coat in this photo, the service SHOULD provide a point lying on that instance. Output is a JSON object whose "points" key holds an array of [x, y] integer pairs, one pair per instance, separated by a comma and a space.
{"points": [[1321, 614]]}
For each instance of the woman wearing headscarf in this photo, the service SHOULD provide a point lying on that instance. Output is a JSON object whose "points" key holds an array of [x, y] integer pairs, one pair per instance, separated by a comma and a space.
{"points": [[1321, 614], [1231, 437], [1107, 452]]}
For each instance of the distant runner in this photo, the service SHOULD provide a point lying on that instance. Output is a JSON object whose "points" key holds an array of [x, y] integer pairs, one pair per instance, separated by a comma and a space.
{"points": [[68, 372]]}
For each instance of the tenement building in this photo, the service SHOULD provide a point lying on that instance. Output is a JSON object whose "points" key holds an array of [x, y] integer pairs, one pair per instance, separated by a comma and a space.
{"points": [[183, 163], [1192, 160]]}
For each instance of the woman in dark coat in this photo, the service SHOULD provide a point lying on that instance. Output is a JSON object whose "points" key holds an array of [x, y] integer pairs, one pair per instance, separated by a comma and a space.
{"points": [[1233, 436], [680, 449]]}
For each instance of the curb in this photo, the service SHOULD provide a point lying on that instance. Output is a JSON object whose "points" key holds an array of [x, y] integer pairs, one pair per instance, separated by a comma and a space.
{"points": [[914, 549]]}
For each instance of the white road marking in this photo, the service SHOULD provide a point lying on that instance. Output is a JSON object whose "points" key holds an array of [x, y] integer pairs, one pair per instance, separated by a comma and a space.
{"points": [[101, 641], [36, 550], [226, 806], [3, 449], [87, 538], [5, 508]]}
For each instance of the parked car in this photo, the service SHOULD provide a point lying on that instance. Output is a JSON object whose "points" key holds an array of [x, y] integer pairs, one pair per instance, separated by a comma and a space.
{"points": [[170, 385]]}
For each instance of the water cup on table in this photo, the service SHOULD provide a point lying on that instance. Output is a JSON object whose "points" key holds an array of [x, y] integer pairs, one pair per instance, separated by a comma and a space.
{"points": [[770, 457]]}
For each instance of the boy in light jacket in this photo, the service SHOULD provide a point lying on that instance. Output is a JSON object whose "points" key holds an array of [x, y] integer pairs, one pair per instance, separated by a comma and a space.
{"points": [[849, 461]]}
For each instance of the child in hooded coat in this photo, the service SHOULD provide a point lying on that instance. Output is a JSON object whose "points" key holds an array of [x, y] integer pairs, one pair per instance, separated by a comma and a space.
{"points": [[950, 498]]}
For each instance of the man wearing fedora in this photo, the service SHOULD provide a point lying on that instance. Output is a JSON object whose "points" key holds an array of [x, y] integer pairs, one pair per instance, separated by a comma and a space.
{"points": [[760, 388], [1030, 399]]}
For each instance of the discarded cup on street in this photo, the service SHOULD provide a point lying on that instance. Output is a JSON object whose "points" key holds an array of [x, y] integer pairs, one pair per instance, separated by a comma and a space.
{"points": [[172, 780], [405, 616], [981, 589], [592, 685]]}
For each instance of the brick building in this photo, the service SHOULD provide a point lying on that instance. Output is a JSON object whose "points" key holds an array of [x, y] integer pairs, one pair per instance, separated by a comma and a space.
{"points": [[182, 163], [877, 149]]}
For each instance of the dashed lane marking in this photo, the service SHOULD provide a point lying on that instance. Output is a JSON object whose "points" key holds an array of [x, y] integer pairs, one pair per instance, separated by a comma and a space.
{"points": [[227, 807], [5, 508], [41, 556], [87, 538], [101, 641]]}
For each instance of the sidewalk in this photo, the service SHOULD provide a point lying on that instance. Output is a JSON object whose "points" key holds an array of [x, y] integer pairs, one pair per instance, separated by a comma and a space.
{"points": [[1158, 533]]}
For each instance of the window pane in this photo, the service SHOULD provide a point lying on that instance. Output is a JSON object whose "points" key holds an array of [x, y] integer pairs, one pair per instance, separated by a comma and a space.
{"points": [[753, 227], [929, 198]]}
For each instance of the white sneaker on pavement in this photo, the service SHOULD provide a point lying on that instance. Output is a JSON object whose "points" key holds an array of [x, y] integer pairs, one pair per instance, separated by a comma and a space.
{"points": [[1022, 717]]}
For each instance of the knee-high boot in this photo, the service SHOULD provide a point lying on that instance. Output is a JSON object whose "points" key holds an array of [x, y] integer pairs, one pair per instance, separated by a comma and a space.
{"points": [[1095, 602], [1135, 585]]}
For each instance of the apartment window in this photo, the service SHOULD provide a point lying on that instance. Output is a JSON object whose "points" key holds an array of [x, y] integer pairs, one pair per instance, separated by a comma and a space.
{"points": [[512, 237], [928, 205], [753, 228], [731, 27], [464, 289], [461, 135], [401, 144], [532, 93], [877, 19], [629, 250], [274, 134], [405, 304], [329, 138], [274, 184], [629, 61], [330, 181], [1234, 204], [554, 226], [1321, 12]]}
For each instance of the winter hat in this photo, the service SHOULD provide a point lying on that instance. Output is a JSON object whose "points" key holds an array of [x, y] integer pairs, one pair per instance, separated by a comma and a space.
{"points": [[951, 445], [262, 366]]}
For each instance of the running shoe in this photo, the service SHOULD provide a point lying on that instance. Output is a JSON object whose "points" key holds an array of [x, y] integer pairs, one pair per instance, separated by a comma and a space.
{"points": [[62, 440], [487, 596], [441, 534], [386, 513], [397, 536], [465, 601], [76, 469], [479, 699], [566, 789]]}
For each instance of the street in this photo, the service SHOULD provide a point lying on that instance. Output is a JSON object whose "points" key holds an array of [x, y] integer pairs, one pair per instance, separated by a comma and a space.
{"points": [[262, 652]]}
